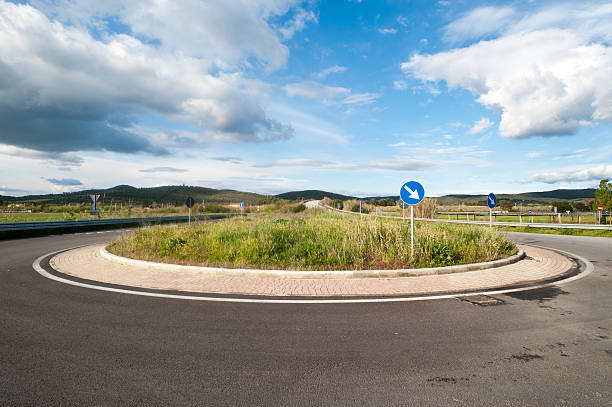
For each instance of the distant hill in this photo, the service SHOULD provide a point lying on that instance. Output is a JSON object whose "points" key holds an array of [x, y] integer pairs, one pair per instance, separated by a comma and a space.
{"points": [[312, 194], [174, 194], [544, 197]]}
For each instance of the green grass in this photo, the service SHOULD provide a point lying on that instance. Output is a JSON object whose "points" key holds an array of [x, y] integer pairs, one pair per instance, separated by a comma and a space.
{"points": [[314, 241], [546, 231]]}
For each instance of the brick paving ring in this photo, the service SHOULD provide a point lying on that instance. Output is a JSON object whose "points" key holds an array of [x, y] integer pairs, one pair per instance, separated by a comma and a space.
{"points": [[94, 267]]}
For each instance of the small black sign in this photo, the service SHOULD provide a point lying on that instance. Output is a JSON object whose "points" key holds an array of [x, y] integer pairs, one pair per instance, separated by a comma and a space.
{"points": [[190, 202]]}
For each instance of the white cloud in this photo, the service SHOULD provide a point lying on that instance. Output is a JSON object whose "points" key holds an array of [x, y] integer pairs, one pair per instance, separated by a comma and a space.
{"points": [[64, 90], [398, 144], [298, 23], [402, 21], [384, 164], [387, 31], [477, 23], [481, 125], [467, 155], [595, 173], [534, 154], [544, 82], [399, 164], [310, 128], [579, 153], [162, 169], [400, 85], [219, 31], [360, 98], [329, 95], [332, 69]]}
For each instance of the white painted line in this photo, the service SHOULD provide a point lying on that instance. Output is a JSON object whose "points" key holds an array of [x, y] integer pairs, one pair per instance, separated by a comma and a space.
{"points": [[36, 265]]}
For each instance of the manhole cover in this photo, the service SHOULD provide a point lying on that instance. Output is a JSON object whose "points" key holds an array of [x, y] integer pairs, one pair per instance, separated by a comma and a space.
{"points": [[483, 300]]}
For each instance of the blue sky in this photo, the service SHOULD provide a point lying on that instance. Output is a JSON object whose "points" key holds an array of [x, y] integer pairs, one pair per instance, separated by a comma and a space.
{"points": [[269, 96]]}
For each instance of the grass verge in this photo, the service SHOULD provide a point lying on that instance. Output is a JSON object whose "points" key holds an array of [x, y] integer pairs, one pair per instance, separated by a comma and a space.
{"points": [[314, 241], [568, 232]]}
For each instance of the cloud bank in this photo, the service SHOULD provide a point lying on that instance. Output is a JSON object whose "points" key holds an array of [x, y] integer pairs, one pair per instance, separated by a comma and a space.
{"points": [[67, 87], [547, 74]]}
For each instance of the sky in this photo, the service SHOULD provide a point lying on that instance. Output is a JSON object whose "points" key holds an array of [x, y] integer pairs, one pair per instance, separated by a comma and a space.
{"points": [[269, 96]]}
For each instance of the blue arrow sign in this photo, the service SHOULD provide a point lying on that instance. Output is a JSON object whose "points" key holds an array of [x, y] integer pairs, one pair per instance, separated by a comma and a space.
{"points": [[529, 210], [412, 193], [491, 200]]}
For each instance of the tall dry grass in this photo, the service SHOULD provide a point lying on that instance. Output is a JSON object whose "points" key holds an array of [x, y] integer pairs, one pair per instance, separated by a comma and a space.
{"points": [[318, 241], [426, 209]]}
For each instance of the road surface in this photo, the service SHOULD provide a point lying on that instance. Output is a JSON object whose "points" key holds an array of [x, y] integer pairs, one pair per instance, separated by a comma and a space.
{"points": [[65, 345]]}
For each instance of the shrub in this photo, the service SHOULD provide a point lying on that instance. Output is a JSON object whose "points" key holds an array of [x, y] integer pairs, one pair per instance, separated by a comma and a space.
{"points": [[299, 208]]}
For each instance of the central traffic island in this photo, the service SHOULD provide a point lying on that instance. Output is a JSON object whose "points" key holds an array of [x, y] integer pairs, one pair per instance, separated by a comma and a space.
{"points": [[314, 240], [321, 255]]}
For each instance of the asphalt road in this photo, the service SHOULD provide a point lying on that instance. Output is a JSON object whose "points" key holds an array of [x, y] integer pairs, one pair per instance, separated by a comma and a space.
{"points": [[65, 345]]}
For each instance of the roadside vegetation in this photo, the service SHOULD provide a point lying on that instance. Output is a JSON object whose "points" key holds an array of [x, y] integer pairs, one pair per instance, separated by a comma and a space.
{"points": [[568, 232], [313, 240]]}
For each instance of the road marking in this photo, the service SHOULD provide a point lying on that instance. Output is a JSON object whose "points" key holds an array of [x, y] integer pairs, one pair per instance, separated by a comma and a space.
{"points": [[40, 270]]}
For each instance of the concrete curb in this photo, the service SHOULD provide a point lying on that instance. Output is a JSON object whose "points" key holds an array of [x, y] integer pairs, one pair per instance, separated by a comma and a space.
{"points": [[319, 273]]}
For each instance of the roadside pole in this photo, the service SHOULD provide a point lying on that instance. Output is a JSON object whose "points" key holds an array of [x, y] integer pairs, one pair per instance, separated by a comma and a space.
{"points": [[411, 232], [411, 193], [189, 202], [490, 221]]}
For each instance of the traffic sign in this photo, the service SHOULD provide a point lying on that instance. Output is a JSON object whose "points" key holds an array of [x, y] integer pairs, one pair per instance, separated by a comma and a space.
{"points": [[600, 208], [94, 205], [242, 204], [412, 193], [491, 200], [529, 210], [190, 202]]}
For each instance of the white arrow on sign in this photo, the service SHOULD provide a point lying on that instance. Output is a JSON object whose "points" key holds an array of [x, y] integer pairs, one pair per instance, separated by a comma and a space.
{"points": [[413, 194], [492, 201]]}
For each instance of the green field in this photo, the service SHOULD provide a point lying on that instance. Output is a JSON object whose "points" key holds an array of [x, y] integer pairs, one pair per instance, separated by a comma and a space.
{"points": [[314, 240]]}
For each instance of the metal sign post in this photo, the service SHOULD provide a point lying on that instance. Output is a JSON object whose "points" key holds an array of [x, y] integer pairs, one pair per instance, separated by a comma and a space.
{"points": [[411, 231], [491, 202], [411, 193], [190, 202]]}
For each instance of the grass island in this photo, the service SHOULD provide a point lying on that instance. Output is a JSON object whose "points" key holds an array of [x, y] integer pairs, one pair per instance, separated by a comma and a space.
{"points": [[313, 240]]}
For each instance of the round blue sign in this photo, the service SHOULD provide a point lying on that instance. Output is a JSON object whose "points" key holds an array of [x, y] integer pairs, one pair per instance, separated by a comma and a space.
{"points": [[412, 193], [491, 200]]}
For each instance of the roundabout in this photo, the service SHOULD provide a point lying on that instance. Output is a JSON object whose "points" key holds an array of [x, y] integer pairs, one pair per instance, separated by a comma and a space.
{"points": [[93, 267], [70, 345]]}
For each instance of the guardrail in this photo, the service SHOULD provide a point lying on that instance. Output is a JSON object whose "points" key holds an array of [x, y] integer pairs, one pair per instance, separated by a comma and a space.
{"points": [[21, 229]]}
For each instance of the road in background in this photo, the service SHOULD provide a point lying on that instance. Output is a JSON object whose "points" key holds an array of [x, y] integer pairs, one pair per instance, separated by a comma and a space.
{"points": [[65, 345]]}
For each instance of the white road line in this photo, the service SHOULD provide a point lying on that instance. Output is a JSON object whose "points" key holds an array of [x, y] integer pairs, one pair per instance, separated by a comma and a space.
{"points": [[36, 265]]}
